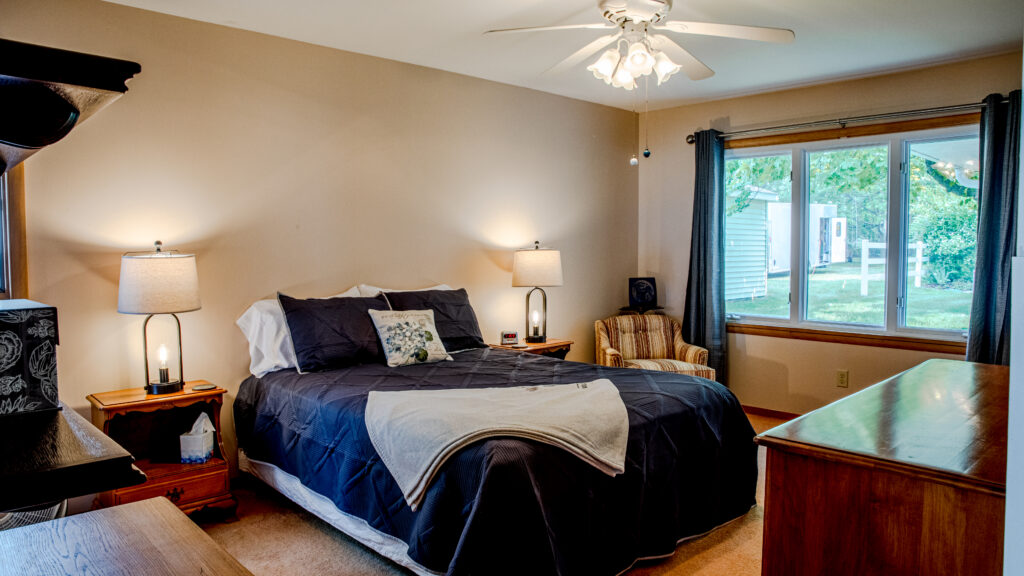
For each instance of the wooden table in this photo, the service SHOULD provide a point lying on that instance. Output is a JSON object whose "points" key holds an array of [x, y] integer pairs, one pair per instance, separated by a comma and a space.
{"points": [[147, 538], [149, 426], [49, 456], [554, 348], [907, 477]]}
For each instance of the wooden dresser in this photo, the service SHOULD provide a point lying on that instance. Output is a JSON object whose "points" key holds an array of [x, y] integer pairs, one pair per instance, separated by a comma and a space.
{"points": [[46, 457], [907, 477]]}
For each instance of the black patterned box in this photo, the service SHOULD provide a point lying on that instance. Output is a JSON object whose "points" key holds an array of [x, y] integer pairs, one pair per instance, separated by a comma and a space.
{"points": [[28, 357]]}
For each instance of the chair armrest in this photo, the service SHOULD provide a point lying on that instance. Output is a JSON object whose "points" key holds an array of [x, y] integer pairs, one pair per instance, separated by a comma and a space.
{"points": [[691, 353], [611, 357], [606, 355], [687, 352]]}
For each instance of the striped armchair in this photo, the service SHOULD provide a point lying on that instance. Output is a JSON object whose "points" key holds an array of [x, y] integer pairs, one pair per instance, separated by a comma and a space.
{"points": [[649, 342]]}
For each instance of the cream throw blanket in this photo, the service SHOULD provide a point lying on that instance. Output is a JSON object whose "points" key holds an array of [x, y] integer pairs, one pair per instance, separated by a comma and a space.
{"points": [[416, 431]]}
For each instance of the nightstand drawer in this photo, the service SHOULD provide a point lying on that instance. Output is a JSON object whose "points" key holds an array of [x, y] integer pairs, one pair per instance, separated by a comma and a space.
{"points": [[180, 489]]}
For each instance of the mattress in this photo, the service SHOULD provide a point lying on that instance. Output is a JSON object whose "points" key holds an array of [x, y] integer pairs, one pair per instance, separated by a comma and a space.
{"points": [[508, 505]]}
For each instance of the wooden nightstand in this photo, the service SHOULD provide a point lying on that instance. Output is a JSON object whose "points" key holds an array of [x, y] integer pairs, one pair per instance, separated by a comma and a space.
{"points": [[553, 348], [148, 426]]}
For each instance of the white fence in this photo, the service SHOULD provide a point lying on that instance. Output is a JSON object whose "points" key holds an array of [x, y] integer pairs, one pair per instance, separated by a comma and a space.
{"points": [[917, 261]]}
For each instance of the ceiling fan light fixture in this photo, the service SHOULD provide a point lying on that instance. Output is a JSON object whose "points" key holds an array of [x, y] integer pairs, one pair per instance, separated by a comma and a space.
{"points": [[605, 66], [623, 79], [664, 67], [639, 60]]}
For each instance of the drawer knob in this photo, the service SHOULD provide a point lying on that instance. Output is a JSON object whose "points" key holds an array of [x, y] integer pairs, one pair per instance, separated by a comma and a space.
{"points": [[174, 495]]}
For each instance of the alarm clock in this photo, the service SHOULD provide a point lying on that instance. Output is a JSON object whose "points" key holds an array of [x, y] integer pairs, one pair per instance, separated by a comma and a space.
{"points": [[509, 337]]}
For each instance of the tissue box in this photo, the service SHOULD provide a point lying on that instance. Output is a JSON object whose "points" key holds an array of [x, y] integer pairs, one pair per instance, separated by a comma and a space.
{"points": [[28, 357], [196, 448]]}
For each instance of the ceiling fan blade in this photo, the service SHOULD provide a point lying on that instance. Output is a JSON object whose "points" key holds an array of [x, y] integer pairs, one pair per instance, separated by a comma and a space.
{"points": [[582, 54], [546, 28], [759, 33], [692, 67]]}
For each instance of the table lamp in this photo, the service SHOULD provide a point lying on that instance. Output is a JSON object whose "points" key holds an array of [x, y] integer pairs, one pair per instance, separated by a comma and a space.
{"points": [[153, 283], [537, 267]]}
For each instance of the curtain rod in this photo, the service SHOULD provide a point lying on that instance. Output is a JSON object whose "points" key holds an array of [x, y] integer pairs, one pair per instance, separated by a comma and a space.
{"points": [[842, 122]]}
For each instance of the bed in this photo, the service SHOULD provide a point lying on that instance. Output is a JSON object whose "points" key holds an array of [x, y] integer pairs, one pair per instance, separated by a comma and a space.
{"points": [[506, 505]]}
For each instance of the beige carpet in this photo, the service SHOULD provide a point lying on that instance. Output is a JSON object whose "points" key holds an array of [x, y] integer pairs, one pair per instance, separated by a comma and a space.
{"points": [[274, 537]]}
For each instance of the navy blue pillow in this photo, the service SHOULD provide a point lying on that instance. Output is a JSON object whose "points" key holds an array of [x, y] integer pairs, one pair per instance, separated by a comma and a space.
{"points": [[453, 316], [332, 332]]}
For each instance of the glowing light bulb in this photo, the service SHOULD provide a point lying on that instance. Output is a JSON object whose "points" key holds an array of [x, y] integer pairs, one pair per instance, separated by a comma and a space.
{"points": [[633, 161], [639, 60], [623, 79], [535, 317], [165, 374]]}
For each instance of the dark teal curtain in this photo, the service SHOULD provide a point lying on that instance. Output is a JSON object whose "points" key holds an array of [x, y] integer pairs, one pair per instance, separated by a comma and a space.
{"points": [[704, 308], [988, 339]]}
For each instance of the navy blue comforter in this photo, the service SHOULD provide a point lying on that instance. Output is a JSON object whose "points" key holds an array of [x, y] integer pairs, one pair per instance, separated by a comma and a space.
{"points": [[513, 506]]}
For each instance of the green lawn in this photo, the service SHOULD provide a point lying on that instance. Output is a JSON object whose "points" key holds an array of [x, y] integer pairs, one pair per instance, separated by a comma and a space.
{"points": [[834, 296]]}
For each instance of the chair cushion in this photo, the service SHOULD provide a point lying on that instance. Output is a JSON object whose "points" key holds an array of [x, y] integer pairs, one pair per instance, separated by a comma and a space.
{"points": [[636, 336], [677, 366]]}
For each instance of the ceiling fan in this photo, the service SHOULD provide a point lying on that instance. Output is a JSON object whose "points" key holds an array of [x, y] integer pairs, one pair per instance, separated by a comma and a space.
{"points": [[635, 25]]}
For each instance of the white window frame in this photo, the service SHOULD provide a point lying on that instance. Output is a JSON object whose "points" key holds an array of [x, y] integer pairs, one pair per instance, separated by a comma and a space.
{"points": [[896, 235], [5, 241]]}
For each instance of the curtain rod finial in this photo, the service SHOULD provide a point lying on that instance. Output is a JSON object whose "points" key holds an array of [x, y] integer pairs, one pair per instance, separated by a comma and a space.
{"points": [[690, 139]]}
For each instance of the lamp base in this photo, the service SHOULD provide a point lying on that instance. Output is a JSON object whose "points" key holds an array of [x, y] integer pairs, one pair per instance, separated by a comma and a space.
{"points": [[536, 339], [164, 387]]}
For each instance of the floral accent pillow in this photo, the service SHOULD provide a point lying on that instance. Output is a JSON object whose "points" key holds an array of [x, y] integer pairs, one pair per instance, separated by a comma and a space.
{"points": [[409, 336]]}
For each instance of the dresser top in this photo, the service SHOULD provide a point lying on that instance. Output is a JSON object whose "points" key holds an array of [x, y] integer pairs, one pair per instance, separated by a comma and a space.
{"points": [[945, 418]]}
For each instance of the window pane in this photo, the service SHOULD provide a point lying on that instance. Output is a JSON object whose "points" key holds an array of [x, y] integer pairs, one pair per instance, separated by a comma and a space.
{"points": [[757, 235], [846, 234], [3, 236], [943, 233]]}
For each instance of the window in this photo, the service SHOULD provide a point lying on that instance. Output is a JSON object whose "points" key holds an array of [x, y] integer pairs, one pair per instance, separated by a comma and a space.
{"points": [[4, 256], [884, 229], [13, 273]]}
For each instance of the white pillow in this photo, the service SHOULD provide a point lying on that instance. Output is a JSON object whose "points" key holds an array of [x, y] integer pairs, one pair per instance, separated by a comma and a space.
{"points": [[367, 291], [270, 343]]}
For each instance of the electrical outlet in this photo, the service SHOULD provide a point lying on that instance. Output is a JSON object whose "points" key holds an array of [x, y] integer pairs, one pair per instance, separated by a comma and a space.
{"points": [[843, 378]]}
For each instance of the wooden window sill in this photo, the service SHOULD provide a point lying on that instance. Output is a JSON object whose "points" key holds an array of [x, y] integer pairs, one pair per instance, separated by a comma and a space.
{"points": [[878, 340]]}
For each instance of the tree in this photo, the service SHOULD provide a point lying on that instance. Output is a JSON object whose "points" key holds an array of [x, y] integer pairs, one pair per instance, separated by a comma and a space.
{"points": [[744, 176], [943, 215]]}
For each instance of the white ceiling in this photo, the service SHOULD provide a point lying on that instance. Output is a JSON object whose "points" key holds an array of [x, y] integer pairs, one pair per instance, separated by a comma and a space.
{"points": [[835, 39]]}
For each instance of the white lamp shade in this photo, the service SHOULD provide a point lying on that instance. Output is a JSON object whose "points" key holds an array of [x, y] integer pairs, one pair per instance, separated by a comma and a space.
{"points": [[537, 267], [158, 283]]}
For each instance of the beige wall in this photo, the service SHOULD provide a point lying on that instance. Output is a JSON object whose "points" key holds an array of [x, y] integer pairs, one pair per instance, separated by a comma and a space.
{"points": [[777, 373], [286, 166]]}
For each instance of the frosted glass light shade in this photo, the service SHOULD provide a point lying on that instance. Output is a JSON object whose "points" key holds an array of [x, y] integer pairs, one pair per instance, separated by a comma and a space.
{"points": [[664, 67], [605, 65], [158, 283], [537, 267]]}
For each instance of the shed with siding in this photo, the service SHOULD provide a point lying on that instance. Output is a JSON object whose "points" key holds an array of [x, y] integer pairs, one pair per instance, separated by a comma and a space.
{"points": [[746, 247]]}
